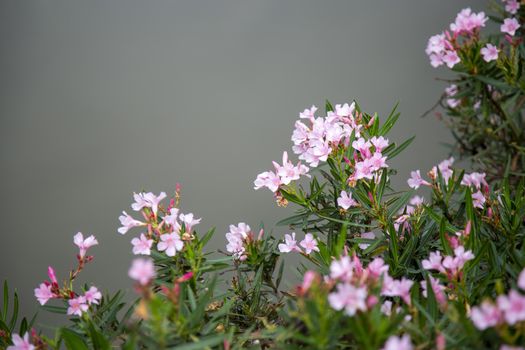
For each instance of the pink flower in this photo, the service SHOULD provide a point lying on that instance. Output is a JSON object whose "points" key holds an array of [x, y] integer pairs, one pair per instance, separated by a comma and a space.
{"points": [[20, 343], [416, 180], [349, 298], [452, 90], [398, 343], [345, 110], [236, 238], [509, 347], [380, 143], [521, 280], [171, 218], [289, 245], [308, 113], [269, 180], [377, 268], [342, 269], [171, 243], [489, 53], [512, 6], [438, 289], [486, 315], [367, 235], [509, 26], [84, 244], [189, 221], [512, 306], [364, 170], [451, 58], [436, 59], [288, 172], [127, 223], [92, 295], [362, 146], [436, 44], [474, 179], [468, 21], [142, 245], [43, 293], [445, 169], [309, 243], [346, 201], [417, 201], [308, 278], [397, 288], [147, 200], [433, 262], [77, 306], [478, 200], [142, 270]]}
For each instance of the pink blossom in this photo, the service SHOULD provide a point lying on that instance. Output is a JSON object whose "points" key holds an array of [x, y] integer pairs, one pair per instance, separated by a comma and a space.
{"points": [[142, 270], [84, 244], [399, 288], [171, 218], [436, 59], [342, 269], [346, 201], [398, 343], [380, 143], [43, 293], [467, 21], [433, 262], [364, 170], [512, 306], [236, 238], [486, 315], [452, 90], [20, 343], [509, 347], [77, 306], [288, 172], [171, 243], [345, 110], [512, 6], [308, 279], [416, 180], [349, 298], [267, 179], [92, 295], [474, 179], [521, 280], [142, 245], [147, 200], [363, 147], [289, 245], [378, 161], [451, 58], [367, 235], [489, 53], [377, 268], [417, 200], [127, 223], [436, 44], [456, 263], [308, 113], [309, 243], [189, 221], [509, 26], [445, 169], [318, 152], [478, 200], [438, 289]]}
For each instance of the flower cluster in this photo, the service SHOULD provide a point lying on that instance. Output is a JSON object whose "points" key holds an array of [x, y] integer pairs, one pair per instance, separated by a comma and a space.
{"points": [[309, 243], [284, 174], [449, 265], [78, 304], [509, 309], [166, 228], [239, 238]]}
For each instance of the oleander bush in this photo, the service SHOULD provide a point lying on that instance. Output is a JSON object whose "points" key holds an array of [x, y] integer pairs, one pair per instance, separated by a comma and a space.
{"points": [[438, 264]]}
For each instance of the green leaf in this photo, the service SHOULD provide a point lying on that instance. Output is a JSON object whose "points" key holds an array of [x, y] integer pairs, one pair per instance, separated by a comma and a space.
{"points": [[400, 148], [399, 203], [98, 339], [390, 121], [202, 343], [73, 340], [6, 300]]}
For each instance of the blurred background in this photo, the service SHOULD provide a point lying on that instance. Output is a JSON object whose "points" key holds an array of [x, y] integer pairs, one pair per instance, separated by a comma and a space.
{"points": [[102, 98]]}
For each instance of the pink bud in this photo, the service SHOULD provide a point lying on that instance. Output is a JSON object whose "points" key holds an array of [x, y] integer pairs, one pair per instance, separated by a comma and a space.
{"points": [[261, 233], [468, 228], [371, 301], [187, 276], [52, 276], [308, 279], [441, 342]]}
